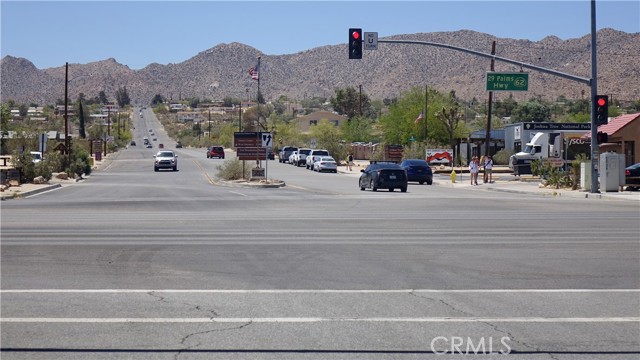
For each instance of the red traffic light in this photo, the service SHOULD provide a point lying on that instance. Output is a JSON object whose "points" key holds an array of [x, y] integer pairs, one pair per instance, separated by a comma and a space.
{"points": [[602, 102], [356, 35]]}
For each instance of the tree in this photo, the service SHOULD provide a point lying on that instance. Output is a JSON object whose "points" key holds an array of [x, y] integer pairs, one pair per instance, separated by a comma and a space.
{"points": [[122, 97], [532, 111], [349, 102], [358, 128], [103, 98], [157, 100], [328, 137]]}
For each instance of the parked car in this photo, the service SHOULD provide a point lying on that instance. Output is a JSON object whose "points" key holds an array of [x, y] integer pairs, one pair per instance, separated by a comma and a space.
{"points": [[215, 152], [36, 156], [178, 145], [325, 163], [315, 153], [418, 170], [292, 157], [383, 175], [285, 152], [632, 177], [133, 143], [301, 156], [165, 159]]}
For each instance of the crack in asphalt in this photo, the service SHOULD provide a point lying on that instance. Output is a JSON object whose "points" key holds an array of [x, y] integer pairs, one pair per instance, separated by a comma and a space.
{"points": [[212, 315], [188, 336], [493, 326]]}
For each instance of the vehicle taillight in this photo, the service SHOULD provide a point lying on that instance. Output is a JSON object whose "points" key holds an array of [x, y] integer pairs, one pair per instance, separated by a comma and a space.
{"points": [[627, 172]]}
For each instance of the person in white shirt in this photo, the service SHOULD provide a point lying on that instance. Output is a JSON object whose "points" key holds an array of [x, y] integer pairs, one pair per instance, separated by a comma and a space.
{"points": [[473, 170], [488, 169]]}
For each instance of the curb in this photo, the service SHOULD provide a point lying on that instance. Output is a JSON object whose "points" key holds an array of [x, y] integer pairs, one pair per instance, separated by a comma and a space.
{"points": [[30, 192]]}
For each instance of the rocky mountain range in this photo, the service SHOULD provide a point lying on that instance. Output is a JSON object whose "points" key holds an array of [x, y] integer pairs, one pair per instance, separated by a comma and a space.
{"points": [[222, 71]]}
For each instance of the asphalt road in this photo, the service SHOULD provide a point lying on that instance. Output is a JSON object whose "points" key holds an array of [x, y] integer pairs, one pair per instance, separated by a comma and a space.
{"points": [[132, 264]]}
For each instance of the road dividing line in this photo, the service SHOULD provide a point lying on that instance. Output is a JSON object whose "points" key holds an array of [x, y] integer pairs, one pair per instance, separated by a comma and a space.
{"points": [[311, 291], [327, 319], [209, 179]]}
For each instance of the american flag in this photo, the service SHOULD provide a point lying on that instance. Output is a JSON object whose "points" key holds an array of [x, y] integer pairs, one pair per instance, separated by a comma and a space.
{"points": [[420, 117], [254, 72]]}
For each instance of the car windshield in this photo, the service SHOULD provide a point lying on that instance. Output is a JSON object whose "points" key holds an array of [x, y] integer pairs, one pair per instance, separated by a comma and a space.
{"points": [[166, 154]]}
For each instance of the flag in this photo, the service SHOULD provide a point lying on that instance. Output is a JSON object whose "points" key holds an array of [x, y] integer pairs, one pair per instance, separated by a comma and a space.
{"points": [[254, 72], [420, 117]]}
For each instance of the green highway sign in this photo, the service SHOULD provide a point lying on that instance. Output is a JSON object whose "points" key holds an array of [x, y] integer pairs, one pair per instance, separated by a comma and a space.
{"points": [[517, 81]]}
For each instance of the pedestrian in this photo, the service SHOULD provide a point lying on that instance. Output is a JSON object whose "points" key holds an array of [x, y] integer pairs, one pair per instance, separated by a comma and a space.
{"points": [[350, 161], [473, 170], [488, 169]]}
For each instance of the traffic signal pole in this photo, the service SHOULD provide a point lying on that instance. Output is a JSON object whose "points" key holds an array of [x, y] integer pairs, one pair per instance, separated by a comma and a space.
{"points": [[594, 91], [591, 82]]}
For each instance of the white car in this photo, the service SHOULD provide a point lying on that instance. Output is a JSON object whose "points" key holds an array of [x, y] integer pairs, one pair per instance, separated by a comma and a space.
{"points": [[313, 155], [325, 163], [165, 159]]}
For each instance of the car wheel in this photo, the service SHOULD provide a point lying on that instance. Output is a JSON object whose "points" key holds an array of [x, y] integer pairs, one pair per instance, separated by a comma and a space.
{"points": [[404, 189], [420, 182], [175, 168], [429, 182], [155, 169], [391, 189], [373, 187]]}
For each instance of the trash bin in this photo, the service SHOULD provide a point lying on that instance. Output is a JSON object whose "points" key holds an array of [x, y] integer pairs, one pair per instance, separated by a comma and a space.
{"points": [[98, 155]]}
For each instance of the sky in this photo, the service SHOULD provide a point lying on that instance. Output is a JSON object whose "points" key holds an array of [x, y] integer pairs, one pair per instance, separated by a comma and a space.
{"points": [[139, 33]]}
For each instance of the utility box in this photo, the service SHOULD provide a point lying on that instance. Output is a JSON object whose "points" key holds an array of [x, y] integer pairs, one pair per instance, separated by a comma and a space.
{"points": [[610, 171], [585, 176]]}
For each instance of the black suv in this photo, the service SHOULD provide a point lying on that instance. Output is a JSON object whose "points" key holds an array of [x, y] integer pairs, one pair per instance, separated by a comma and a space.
{"points": [[383, 175]]}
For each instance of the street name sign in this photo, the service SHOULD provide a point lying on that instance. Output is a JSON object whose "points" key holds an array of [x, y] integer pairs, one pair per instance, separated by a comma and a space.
{"points": [[500, 81]]}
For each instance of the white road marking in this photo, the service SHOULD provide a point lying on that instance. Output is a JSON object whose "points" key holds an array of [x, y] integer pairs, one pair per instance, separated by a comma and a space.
{"points": [[325, 319], [311, 291]]}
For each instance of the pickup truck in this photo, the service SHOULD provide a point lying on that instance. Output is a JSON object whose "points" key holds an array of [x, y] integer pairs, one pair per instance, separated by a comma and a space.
{"points": [[314, 155], [301, 157], [285, 152]]}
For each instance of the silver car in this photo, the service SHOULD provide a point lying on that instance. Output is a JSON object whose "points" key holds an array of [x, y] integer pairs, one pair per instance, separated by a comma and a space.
{"points": [[325, 163], [165, 159]]}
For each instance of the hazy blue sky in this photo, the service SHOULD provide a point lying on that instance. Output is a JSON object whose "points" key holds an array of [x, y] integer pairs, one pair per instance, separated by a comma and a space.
{"points": [[138, 33]]}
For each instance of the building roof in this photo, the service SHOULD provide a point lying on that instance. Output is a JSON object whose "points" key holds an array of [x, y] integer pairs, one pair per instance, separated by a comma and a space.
{"points": [[618, 123]]}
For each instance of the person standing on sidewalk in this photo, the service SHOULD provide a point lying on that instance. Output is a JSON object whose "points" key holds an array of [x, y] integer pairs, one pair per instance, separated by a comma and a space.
{"points": [[473, 170], [488, 169], [350, 161]]}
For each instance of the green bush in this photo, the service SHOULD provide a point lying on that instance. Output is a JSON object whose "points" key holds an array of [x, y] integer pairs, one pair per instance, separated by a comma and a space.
{"points": [[232, 170], [502, 157]]}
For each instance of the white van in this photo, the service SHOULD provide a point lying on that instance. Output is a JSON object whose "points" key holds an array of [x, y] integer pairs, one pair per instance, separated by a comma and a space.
{"points": [[36, 156]]}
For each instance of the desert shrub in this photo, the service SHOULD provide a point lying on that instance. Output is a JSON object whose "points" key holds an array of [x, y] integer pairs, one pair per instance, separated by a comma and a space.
{"points": [[232, 169], [502, 157]]}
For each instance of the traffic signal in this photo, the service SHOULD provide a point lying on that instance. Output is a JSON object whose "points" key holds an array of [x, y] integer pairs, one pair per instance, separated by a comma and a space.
{"points": [[602, 109], [602, 137], [355, 43]]}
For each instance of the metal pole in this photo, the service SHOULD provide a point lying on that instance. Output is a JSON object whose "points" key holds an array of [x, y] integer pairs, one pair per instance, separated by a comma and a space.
{"points": [[426, 101], [594, 91], [487, 138], [67, 144]]}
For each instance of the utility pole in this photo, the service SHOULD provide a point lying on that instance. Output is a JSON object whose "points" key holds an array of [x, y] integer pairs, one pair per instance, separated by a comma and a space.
{"points": [[487, 139], [67, 143]]}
